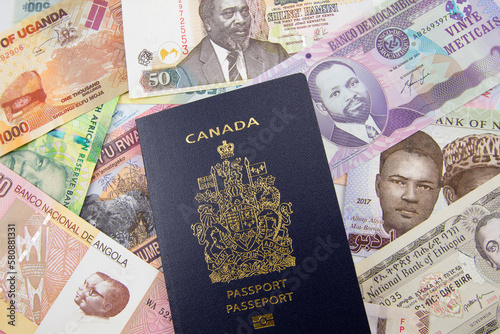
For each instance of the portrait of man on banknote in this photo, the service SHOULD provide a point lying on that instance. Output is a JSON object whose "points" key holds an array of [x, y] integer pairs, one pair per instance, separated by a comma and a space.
{"points": [[102, 296], [43, 172], [227, 53], [469, 162], [487, 237], [409, 182], [339, 92]]}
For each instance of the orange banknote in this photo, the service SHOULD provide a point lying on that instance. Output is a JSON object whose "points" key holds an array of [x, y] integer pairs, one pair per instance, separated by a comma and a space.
{"points": [[57, 65]]}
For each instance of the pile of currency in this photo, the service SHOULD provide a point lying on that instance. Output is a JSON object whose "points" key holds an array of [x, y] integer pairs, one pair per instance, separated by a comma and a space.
{"points": [[407, 98]]}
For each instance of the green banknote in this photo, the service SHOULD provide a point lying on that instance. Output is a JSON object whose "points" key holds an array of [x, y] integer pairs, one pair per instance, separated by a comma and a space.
{"points": [[62, 161]]}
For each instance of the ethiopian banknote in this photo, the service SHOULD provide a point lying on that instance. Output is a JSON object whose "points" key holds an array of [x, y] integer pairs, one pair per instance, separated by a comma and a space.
{"points": [[393, 71], [60, 274], [61, 162], [188, 45], [389, 195], [394, 320], [446, 266], [117, 201], [57, 65]]}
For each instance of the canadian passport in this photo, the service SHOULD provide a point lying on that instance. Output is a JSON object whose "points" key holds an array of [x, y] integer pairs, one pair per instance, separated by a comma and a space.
{"points": [[250, 232]]}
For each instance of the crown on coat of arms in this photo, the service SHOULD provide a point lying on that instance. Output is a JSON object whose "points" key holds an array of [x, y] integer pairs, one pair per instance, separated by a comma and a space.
{"points": [[243, 226]]}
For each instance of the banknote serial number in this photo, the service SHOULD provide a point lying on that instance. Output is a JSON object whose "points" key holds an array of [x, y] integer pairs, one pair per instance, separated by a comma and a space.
{"points": [[431, 26], [14, 132], [11, 52], [183, 30], [363, 201]]}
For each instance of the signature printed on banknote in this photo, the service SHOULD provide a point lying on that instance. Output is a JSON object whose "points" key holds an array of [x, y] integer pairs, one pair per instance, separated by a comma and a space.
{"points": [[446, 266], [57, 65], [379, 79], [214, 43]]}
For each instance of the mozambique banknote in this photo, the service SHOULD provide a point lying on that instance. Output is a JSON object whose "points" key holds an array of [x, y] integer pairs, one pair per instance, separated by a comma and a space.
{"points": [[117, 201], [60, 274], [57, 65], [404, 189], [61, 162], [393, 71], [446, 266], [179, 46]]}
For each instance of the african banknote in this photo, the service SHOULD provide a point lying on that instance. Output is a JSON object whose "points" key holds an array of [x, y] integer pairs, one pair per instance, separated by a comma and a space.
{"points": [[62, 161], [57, 65], [363, 211], [446, 266], [59, 274], [26, 8], [169, 51], [117, 201], [393, 320], [395, 70]]}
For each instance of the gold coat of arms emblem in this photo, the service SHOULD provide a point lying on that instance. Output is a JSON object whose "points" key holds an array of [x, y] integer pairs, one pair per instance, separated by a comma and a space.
{"points": [[243, 225]]}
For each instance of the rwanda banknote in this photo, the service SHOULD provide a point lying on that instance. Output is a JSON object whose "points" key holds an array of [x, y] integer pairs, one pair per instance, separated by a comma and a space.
{"points": [[169, 51], [117, 201], [363, 211], [61, 162], [393, 71], [57, 65], [55, 265], [446, 266]]}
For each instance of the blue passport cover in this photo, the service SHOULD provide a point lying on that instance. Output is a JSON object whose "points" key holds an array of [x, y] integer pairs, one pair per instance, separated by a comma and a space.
{"points": [[251, 235]]}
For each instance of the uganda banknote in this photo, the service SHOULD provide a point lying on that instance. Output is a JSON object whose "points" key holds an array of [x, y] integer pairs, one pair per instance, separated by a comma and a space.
{"points": [[446, 266], [170, 44], [375, 194], [59, 274], [61, 162], [26, 8], [57, 65], [393, 71], [117, 201]]}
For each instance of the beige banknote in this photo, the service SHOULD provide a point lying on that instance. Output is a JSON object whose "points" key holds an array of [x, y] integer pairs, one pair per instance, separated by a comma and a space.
{"points": [[59, 274], [57, 65], [387, 196], [447, 266], [173, 46]]}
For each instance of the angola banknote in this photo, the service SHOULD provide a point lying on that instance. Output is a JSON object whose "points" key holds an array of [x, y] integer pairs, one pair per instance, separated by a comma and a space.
{"points": [[446, 266], [59, 274], [375, 194], [117, 201], [183, 45], [57, 65], [61, 162], [393, 71]]}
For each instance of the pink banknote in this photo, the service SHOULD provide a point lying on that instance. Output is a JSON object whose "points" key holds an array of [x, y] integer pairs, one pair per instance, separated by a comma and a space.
{"points": [[57, 65], [60, 274], [394, 70]]}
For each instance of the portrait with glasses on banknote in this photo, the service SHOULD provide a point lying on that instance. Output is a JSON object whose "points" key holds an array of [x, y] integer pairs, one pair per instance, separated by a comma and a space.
{"points": [[351, 101], [227, 53]]}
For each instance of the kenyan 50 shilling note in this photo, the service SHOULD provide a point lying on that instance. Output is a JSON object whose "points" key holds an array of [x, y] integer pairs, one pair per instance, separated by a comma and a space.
{"points": [[181, 45], [61, 162], [59, 64], [387, 196], [62, 275], [446, 266], [394, 70]]}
